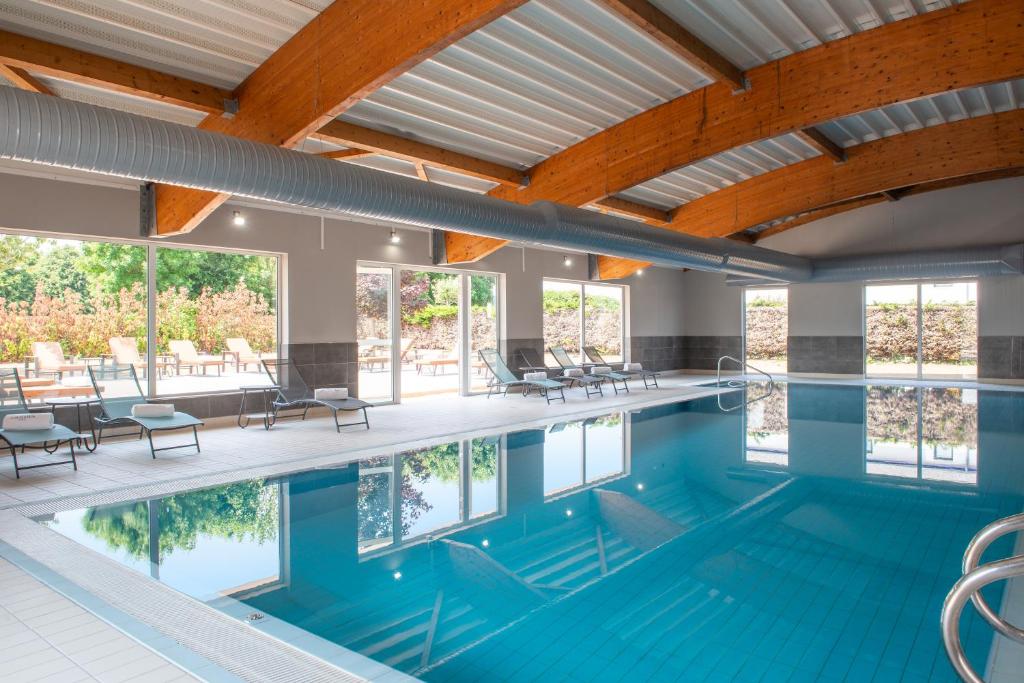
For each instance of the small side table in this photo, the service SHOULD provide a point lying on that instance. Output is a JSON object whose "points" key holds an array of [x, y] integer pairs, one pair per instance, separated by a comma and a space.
{"points": [[78, 403], [268, 391]]}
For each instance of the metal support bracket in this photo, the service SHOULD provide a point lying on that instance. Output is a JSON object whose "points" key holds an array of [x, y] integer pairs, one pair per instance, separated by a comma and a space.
{"points": [[147, 210]]}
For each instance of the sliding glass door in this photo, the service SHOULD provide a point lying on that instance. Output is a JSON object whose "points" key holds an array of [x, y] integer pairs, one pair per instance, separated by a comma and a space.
{"points": [[766, 328], [420, 331], [922, 331]]}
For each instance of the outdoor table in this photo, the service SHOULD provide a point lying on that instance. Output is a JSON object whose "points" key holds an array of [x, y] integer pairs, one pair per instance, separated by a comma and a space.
{"points": [[78, 404], [268, 391]]}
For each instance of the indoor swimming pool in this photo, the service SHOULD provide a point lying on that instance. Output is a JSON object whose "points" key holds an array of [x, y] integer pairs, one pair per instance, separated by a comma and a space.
{"points": [[809, 534]]}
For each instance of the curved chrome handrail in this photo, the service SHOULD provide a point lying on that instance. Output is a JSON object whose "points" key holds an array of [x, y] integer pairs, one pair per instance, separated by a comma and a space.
{"points": [[975, 549], [743, 364], [953, 606]]}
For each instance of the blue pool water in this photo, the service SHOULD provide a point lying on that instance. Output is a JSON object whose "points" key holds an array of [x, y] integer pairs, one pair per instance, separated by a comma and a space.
{"points": [[807, 536]]}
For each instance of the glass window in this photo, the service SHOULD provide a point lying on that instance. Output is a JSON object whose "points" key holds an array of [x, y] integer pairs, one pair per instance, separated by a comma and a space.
{"points": [[483, 327], [68, 305], [562, 311], [216, 316], [766, 328], [578, 315], [373, 334], [602, 321]]}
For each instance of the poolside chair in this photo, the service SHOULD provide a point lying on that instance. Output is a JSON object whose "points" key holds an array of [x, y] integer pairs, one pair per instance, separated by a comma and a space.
{"points": [[563, 358], [50, 360], [505, 379], [117, 412], [243, 353], [126, 354], [186, 356], [371, 360], [571, 377], [648, 376], [12, 402], [294, 394]]}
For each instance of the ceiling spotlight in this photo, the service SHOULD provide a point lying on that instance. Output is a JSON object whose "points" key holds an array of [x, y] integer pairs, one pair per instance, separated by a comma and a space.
{"points": [[640, 271], [395, 237], [237, 218], [566, 261]]}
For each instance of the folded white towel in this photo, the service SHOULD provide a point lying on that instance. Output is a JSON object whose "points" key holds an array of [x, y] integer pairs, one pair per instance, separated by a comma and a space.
{"points": [[24, 422], [632, 367], [535, 375], [601, 370], [153, 410], [331, 394], [574, 372]]}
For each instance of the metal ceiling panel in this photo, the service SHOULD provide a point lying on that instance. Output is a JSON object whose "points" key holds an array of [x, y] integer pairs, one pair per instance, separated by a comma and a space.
{"points": [[122, 102], [720, 171], [530, 84]]}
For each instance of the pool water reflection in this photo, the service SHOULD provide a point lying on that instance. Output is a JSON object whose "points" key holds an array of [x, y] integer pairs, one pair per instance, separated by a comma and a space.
{"points": [[809, 535]]}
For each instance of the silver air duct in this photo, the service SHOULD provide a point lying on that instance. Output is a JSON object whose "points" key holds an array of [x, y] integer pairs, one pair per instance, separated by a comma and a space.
{"points": [[47, 130], [935, 264]]}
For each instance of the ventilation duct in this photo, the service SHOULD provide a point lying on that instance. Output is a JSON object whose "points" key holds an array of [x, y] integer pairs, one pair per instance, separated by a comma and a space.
{"points": [[47, 130], [918, 265]]}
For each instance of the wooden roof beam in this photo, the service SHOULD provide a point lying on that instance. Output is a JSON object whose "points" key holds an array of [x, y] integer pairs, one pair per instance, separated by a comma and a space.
{"points": [[23, 79], [992, 144], [350, 135], [347, 154], [76, 66], [346, 52], [677, 39], [821, 142]]}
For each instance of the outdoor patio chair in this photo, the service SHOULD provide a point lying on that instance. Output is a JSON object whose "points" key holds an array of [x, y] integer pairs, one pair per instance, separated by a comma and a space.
{"points": [[126, 355], [50, 359], [294, 394], [186, 356], [12, 402], [605, 373], [505, 379], [534, 363], [117, 412], [243, 353], [648, 376]]}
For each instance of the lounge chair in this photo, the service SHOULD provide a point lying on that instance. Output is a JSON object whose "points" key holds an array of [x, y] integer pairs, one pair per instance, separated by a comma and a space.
{"points": [[534, 363], [371, 360], [12, 402], [648, 376], [505, 379], [126, 355], [50, 360], [186, 356], [294, 394], [563, 358], [117, 412], [243, 353]]}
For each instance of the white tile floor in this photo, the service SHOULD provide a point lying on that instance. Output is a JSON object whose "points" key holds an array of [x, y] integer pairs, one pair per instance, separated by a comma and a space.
{"points": [[46, 637]]}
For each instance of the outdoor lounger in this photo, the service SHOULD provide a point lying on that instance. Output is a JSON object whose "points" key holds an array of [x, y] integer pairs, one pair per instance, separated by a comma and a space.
{"points": [[39, 430], [294, 394], [604, 372], [505, 379], [534, 363], [50, 359], [118, 412], [243, 353], [186, 356], [631, 369], [126, 354]]}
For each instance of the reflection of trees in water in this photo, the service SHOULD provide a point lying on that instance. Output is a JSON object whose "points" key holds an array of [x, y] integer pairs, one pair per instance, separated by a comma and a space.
{"points": [[946, 419], [242, 511]]}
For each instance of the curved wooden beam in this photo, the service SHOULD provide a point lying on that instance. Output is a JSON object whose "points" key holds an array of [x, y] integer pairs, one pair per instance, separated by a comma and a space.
{"points": [[965, 45], [348, 51], [977, 147]]}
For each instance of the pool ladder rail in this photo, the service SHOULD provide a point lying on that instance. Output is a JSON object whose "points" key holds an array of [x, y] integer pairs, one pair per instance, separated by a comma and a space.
{"points": [[968, 588], [742, 383]]}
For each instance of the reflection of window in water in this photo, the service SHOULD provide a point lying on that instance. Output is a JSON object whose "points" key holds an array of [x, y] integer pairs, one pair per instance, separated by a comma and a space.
{"points": [[927, 433], [767, 429], [427, 490], [582, 452]]}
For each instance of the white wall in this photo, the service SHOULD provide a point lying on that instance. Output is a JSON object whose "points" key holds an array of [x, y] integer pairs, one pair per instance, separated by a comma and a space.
{"points": [[710, 307], [320, 283], [832, 309]]}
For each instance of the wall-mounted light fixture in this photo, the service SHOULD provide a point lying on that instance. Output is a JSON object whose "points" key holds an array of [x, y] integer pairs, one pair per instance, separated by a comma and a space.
{"points": [[566, 261], [395, 237], [237, 218], [640, 272]]}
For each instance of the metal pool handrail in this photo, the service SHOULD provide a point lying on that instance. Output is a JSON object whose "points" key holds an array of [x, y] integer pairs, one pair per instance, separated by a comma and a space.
{"points": [[968, 589], [743, 364]]}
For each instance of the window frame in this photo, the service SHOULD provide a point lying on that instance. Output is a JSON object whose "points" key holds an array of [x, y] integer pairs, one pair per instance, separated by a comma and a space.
{"points": [[583, 284]]}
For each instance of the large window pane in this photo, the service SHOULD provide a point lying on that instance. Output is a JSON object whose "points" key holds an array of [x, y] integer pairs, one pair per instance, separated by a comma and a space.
{"points": [[67, 305], [216, 316], [949, 315], [483, 330], [602, 321], [891, 330], [562, 302], [766, 316], [373, 334], [430, 325]]}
